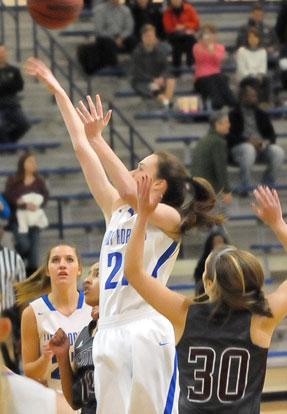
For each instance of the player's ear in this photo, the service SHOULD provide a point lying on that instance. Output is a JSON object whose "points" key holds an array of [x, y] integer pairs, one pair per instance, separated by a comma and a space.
{"points": [[80, 269], [160, 185]]}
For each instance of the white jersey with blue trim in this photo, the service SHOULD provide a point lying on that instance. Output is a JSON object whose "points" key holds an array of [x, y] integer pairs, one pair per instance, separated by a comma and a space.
{"points": [[49, 320], [160, 252]]}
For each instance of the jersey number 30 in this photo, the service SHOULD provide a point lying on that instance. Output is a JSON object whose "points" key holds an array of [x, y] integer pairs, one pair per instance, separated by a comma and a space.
{"points": [[235, 360]]}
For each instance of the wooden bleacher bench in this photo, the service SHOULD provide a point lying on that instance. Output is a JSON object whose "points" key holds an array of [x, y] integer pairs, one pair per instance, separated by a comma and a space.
{"points": [[25, 146]]}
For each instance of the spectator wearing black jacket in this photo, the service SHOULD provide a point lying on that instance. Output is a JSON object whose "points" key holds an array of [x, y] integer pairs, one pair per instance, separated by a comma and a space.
{"points": [[146, 12], [252, 138], [13, 122]]}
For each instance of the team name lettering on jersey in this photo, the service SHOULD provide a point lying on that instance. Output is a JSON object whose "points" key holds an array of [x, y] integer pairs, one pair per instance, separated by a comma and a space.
{"points": [[118, 237], [84, 358]]}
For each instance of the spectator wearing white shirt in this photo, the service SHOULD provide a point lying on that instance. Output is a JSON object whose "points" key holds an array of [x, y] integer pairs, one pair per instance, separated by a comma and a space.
{"points": [[251, 65]]}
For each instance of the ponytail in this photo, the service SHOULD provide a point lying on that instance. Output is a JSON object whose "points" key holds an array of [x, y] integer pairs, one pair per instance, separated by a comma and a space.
{"points": [[36, 285], [199, 211]]}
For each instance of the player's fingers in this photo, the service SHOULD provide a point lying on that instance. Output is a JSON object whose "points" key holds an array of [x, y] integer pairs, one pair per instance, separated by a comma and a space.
{"points": [[82, 117], [108, 117], [256, 209], [85, 112], [92, 107], [99, 106]]}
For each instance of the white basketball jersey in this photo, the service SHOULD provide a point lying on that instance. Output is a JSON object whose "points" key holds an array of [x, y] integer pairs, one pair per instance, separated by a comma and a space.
{"points": [[49, 320], [160, 252]]}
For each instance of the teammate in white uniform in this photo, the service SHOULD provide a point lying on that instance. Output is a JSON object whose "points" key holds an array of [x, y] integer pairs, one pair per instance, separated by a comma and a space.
{"points": [[22, 395], [134, 352], [63, 306]]}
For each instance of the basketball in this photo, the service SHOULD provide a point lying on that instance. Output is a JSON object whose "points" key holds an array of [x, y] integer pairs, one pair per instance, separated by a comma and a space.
{"points": [[54, 14]]}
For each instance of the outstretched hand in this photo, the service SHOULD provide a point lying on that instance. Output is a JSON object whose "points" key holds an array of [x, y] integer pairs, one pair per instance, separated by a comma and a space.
{"points": [[35, 67], [268, 207], [93, 119], [59, 343], [147, 202]]}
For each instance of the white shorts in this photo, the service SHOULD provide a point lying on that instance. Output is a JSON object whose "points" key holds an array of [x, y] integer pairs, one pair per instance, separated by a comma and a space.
{"points": [[136, 365]]}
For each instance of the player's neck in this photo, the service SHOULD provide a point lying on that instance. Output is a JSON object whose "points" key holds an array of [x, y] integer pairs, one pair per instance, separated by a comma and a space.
{"points": [[65, 300]]}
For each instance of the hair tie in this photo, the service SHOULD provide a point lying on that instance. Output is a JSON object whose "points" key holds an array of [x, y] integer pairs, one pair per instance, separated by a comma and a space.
{"points": [[218, 255]]}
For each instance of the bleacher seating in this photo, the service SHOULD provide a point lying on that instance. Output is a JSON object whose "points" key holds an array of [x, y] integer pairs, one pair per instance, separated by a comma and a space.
{"points": [[25, 146], [47, 171]]}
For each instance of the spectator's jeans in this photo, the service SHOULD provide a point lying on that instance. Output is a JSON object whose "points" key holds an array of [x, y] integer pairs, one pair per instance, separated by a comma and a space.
{"points": [[13, 124], [27, 245], [245, 156]]}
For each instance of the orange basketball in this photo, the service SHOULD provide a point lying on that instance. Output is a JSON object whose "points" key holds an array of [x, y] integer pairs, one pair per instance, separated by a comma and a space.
{"points": [[54, 14]]}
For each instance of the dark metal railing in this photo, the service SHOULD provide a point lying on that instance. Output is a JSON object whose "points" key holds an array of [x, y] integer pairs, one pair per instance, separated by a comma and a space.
{"points": [[13, 13], [68, 67], [133, 137]]}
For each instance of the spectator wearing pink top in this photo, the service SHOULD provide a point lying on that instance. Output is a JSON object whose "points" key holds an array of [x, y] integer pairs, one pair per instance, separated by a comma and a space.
{"points": [[208, 79]]}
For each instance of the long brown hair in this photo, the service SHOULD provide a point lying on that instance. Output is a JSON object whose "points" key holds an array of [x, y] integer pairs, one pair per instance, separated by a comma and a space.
{"points": [[199, 211], [39, 283], [20, 172], [238, 279]]}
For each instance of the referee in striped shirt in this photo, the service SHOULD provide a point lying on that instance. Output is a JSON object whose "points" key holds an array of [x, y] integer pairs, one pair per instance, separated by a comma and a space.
{"points": [[12, 269]]}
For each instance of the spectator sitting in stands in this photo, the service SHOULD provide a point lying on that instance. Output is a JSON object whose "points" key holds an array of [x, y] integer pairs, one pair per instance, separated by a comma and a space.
{"points": [[150, 68], [267, 34], [146, 12], [251, 63], [281, 31], [209, 81], [180, 22], [210, 156], [26, 182], [213, 240], [250, 127], [114, 27], [13, 123]]}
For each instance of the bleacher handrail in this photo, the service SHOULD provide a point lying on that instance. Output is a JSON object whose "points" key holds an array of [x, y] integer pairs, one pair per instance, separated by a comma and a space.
{"points": [[133, 134]]}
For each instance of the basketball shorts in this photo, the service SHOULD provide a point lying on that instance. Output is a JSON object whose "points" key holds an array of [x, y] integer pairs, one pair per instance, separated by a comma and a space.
{"points": [[136, 365]]}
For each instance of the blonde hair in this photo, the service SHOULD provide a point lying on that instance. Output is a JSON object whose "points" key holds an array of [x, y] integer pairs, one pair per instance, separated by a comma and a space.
{"points": [[38, 283]]}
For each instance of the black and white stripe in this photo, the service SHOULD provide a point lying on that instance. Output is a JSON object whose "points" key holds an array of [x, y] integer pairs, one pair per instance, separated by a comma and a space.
{"points": [[12, 269]]}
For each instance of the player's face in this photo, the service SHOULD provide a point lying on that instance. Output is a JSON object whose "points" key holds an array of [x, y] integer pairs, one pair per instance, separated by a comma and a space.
{"points": [[147, 166], [91, 286], [63, 265]]}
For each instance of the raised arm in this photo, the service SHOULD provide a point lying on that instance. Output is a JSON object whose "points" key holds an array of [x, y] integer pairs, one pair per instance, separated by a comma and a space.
{"points": [[164, 216], [170, 304], [268, 209], [102, 190], [115, 168]]}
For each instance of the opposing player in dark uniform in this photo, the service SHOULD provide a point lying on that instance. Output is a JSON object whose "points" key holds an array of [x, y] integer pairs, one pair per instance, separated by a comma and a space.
{"points": [[78, 383], [222, 344]]}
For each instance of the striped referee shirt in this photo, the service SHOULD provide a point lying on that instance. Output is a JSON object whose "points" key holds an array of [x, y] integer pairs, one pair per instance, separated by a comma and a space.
{"points": [[12, 269]]}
